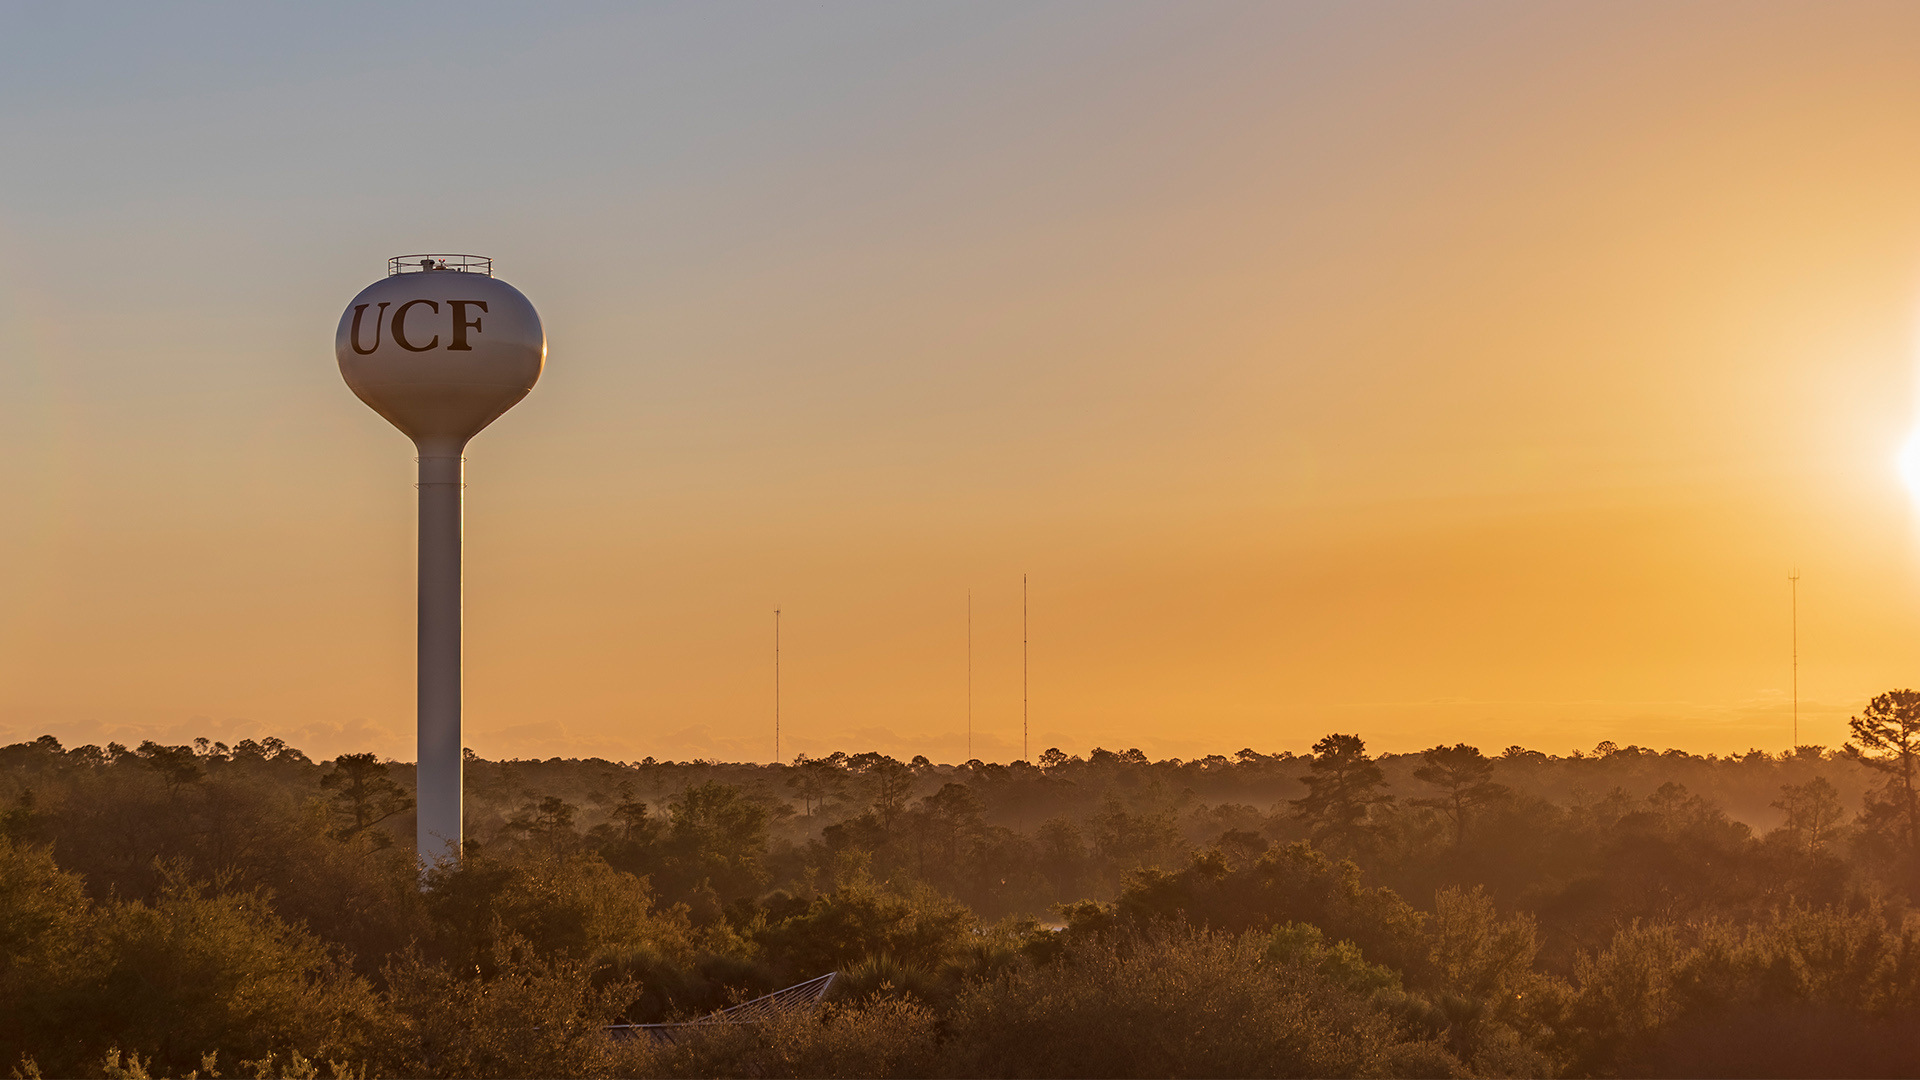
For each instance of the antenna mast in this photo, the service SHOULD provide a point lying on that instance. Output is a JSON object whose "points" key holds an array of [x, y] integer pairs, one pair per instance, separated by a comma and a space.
{"points": [[776, 686], [969, 674], [1026, 752], [1795, 579]]}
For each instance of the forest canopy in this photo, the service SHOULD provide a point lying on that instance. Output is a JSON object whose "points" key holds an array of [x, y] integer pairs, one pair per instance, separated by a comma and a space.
{"points": [[245, 910]]}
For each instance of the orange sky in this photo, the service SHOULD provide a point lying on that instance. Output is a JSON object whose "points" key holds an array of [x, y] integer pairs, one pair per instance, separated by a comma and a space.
{"points": [[1470, 372]]}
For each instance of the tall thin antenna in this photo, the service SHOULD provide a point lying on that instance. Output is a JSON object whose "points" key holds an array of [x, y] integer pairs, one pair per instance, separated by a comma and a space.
{"points": [[1795, 579], [776, 686], [1026, 752], [969, 674]]}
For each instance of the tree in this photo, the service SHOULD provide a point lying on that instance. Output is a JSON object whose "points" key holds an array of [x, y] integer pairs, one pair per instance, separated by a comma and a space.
{"points": [[1294, 883], [1342, 789], [540, 1015], [952, 812], [198, 969], [364, 796], [1474, 953], [1178, 1001], [718, 836], [551, 817], [1888, 734], [575, 904], [888, 783], [631, 813], [49, 952], [177, 765], [1813, 809], [1063, 855], [815, 780], [919, 927], [1127, 840], [1464, 775]]}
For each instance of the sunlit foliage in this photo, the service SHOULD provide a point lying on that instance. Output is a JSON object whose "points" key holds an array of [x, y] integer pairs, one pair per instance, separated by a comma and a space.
{"points": [[245, 910]]}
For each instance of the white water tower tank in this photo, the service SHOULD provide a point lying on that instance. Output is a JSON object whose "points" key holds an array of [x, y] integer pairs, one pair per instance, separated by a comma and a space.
{"points": [[441, 348]]}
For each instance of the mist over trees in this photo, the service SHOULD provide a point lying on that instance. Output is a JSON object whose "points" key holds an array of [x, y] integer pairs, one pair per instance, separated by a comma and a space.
{"points": [[247, 911]]}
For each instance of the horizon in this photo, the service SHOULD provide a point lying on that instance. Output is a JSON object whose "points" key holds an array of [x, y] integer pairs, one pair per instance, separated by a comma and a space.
{"points": [[203, 746]]}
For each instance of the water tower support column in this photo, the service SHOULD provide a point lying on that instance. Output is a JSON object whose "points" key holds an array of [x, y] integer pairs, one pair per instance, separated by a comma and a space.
{"points": [[442, 512]]}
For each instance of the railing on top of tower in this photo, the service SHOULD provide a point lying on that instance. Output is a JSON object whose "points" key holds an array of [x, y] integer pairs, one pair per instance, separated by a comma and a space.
{"points": [[420, 264]]}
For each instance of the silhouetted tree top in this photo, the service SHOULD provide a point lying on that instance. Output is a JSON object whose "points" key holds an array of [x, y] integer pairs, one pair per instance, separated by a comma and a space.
{"points": [[364, 795], [1343, 787], [1464, 776]]}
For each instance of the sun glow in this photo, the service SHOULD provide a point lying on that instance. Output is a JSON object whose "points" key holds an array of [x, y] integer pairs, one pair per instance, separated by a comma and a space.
{"points": [[1910, 465]]}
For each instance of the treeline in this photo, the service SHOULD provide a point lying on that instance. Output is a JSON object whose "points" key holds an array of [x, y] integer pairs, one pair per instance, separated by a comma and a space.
{"points": [[245, 910]]}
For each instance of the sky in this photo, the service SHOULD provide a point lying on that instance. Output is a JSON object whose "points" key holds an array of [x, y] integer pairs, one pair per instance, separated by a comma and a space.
{"points": [[1437, 373]]}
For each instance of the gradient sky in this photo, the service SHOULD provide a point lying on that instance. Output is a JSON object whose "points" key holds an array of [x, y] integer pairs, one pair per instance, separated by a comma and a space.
{"points": [[1436, 372]]}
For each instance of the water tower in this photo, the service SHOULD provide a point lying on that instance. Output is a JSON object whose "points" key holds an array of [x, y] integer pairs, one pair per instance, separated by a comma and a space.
{"points": [[440, 347]]}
